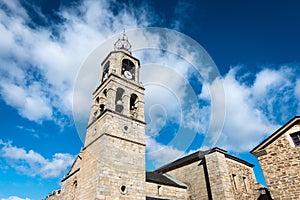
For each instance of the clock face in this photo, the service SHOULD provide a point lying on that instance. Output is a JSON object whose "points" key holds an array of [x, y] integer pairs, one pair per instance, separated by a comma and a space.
{"points": [[128, 75]]}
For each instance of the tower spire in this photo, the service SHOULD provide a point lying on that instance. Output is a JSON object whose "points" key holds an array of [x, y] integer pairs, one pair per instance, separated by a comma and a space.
{"points": [[123, 43]]}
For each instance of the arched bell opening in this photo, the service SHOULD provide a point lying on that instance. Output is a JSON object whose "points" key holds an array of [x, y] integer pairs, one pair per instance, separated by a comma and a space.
{"points": [[133, 102], [118, 102], [128, 69]]}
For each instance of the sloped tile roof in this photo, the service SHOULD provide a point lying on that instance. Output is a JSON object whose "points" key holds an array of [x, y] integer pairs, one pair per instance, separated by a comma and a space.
{"points": [[197, 156], [164, 179]]}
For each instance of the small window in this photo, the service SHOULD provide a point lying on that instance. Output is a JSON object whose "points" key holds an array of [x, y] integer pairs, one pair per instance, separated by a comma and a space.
{"points": [[234, 181], [245, 183], [296, 138], [159, 190], [123, 189]]}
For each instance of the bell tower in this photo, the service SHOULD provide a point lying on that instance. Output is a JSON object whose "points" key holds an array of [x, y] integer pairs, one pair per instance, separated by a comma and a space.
{"points": [[113, 157]]}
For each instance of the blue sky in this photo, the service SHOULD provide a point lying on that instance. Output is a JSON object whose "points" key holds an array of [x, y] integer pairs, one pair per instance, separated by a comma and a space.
{"points": [[43, 44]]}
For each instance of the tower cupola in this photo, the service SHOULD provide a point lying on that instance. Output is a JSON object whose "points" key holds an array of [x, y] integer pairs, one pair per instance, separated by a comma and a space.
{"points": [[122, 43]]}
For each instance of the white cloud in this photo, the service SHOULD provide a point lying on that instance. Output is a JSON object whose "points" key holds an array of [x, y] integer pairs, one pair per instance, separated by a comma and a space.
{"points": [[168, 90], [161, 154], [244, 123], [14, 198], [30, 102], [254, 111], [32, 163], [266, 79], [47, 63], [157, 120]]}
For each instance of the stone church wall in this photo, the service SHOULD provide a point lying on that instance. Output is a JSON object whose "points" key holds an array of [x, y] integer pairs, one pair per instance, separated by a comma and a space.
{"points": [[281, 166], [69, 187], [124, 166], [153, 189], [242, 180], [54, 196], [218, 176], [230, 179], [193, 176]]}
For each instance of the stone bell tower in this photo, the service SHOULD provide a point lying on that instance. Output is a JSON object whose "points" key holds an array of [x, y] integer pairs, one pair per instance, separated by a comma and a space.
{"points": [[113, 157]]}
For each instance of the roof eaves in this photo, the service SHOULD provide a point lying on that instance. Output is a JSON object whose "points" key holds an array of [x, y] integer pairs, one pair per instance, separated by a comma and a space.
{"points": [[186, 160], [162, 179], [180, 162], [239, 160], [275, 135], [178, 182], [149, 197]]}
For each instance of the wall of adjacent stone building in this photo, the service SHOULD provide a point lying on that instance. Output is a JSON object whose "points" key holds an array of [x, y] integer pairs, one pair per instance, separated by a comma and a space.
{"points": [[193, 176], [230, 179], [153, 189], [281, 166], [242, 180], [218, 176]]}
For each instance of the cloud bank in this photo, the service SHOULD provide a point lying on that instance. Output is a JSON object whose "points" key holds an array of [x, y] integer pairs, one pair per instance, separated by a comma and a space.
{"points": [[39, 64], [14, 198], [257, 104], [32, 163]]}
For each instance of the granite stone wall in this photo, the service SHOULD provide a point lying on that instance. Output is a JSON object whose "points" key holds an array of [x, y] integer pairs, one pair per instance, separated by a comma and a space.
{"points": [[164, 191], [281, 166], [218, 176], [242, 180], [193, 176]]}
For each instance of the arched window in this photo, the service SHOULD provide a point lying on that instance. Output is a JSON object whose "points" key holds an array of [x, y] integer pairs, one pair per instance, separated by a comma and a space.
{"points": [[74, 188], [118, 102], [102, 107], [128, 69], [133, 102], [105, 92], [105, 71], [74, 185]]}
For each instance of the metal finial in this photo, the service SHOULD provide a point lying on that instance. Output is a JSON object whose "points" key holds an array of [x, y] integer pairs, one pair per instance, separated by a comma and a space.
{"points": [[122, 42]]}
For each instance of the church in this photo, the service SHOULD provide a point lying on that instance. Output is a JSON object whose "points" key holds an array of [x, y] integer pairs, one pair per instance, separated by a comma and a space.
{"points": [[111, 165]]}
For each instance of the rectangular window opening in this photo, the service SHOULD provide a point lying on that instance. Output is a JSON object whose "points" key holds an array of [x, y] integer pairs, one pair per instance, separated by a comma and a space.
{"points": [[234, 181], [245, 183], [159, 192], [296, 138]]}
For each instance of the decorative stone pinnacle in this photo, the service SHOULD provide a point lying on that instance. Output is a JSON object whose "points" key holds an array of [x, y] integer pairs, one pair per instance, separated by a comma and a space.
{"points": [[123, 43]]}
